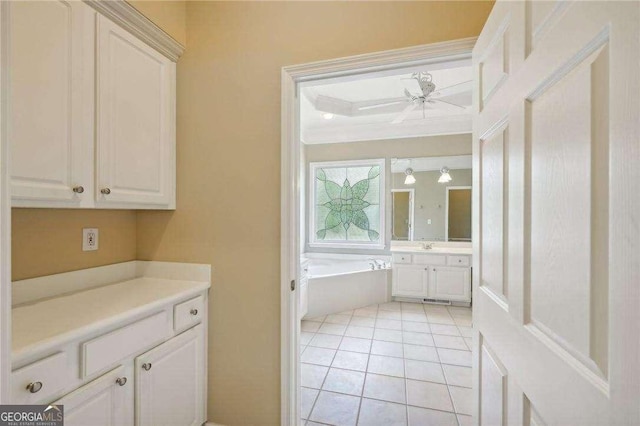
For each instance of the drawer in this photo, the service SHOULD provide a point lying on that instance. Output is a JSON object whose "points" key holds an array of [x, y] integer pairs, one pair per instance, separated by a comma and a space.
{"points": [[458, 260], [430, 259], [401, 258], [188, 313], [47, 376], [106, 350]]}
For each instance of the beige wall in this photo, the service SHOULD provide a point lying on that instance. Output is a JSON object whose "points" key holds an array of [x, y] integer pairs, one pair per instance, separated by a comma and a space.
{"points": [[169, 15], [48, 241], [229, 164], [430, 200]]}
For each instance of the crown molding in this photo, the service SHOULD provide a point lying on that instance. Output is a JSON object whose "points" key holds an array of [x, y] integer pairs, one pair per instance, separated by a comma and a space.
{"points": [[128, 17], [418, 55]]}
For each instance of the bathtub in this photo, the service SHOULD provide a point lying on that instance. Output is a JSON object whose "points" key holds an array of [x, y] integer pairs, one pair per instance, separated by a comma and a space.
{"points": [[337, 283]]}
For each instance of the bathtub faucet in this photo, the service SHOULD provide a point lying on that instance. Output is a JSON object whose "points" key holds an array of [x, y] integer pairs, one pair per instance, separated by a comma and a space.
{"points": [[375, 263]]}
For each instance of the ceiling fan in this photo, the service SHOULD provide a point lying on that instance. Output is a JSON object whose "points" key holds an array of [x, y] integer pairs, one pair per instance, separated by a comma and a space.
{"points": [[420, 90]]}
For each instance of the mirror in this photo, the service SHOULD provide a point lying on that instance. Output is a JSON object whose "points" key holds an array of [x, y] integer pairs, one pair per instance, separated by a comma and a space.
{"points": [[431, 198]]}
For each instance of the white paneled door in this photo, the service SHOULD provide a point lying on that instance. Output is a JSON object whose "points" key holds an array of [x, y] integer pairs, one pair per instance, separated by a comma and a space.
{"points": [[556, 219]]}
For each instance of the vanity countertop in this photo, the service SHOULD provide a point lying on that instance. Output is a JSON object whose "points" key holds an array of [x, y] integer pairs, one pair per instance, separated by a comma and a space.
{"points": [[434, 250]]}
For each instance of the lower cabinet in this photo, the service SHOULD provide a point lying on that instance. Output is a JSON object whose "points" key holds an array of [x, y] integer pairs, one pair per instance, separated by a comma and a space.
{"points": [[105, 401], [450, 283], [170, 382], [426, 277], [410, 281]]}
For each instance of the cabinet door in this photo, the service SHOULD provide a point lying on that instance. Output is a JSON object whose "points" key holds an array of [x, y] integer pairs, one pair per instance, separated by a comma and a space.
{"points": [[170, 382], [106, 401], [135, 122], [51, 103], [410, 281], [450, 283]]}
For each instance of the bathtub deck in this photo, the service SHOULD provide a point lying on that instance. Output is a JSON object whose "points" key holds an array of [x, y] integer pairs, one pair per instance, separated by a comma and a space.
{"points": [[406, 363]]}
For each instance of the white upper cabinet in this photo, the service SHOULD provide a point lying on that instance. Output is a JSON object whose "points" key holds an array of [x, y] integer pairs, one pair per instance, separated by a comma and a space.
{"points": [[91, 109], [135, 120], [51, 103]]}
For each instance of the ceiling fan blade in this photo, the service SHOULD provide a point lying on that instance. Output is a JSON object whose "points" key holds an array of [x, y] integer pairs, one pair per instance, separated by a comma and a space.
{"points": [[449, 103], [380, 105], [405, 113], [454, 89]]}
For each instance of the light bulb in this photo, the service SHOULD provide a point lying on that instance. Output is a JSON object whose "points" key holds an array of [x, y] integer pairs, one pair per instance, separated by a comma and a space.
{"points": [[327, 116]]}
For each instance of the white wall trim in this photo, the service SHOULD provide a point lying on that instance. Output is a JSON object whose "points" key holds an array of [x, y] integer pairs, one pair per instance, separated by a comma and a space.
{"points": [[290, 185], [5, 210], [128, 17]]}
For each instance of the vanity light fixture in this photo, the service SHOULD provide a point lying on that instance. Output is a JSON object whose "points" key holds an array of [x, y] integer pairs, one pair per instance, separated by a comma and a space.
{"points": [[445, 177], [410, 179], [327, 116]]}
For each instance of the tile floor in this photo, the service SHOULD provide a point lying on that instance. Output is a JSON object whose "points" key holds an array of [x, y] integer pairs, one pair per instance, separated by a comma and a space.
{"points": [[389, 364]]}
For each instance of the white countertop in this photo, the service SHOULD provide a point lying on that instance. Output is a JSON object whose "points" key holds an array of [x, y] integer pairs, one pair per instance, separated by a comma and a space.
{"points": [[434, 250], [66, 317]]}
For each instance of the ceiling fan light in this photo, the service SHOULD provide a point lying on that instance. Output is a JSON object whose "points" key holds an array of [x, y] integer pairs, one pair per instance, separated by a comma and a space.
{"points": [[327, 116], [410, 179]]}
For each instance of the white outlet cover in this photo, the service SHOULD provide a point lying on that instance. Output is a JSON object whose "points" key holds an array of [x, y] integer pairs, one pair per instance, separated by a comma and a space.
{"points": [[89, 239]]}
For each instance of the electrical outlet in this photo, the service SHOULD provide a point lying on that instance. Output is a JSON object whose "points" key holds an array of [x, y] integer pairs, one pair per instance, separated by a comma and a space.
{"points": [[89, 239], [428, 221]]}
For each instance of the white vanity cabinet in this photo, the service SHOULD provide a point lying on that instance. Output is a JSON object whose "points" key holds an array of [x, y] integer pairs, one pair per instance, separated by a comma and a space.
{"points": [[170, 382], [432, 276], [91, 110]]}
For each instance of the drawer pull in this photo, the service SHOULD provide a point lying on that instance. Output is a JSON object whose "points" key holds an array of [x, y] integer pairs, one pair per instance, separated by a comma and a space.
{"points": [[78, 189], [121, 381], [105, 191], [34, 387], [146, 366], [193, 312]]}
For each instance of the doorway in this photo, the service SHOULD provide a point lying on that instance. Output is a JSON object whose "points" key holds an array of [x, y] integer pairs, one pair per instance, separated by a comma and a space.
{"points": [[294, 180]]}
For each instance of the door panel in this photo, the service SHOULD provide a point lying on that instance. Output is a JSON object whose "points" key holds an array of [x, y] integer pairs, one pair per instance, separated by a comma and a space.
{"points": [[450, 283], [102, 402], [170, 382], [555, 225]]}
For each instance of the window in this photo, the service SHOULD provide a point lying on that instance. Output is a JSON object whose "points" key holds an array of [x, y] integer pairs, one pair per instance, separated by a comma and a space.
{"points": [[347, 204]]}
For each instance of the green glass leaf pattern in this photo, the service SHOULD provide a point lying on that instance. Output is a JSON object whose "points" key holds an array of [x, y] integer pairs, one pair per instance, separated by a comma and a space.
{"points": [[347, 204]]}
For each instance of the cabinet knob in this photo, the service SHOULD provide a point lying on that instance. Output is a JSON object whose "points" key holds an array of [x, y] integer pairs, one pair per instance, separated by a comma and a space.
{"points": [[121, 381], [78, 189], [459, 260], [146, 366], [105, 191], [34, 387], [193, 312]]}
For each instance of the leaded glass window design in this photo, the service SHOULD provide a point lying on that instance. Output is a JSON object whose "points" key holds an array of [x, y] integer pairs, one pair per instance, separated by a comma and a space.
{"points": [[347, 202]]}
